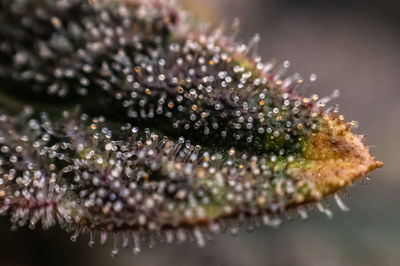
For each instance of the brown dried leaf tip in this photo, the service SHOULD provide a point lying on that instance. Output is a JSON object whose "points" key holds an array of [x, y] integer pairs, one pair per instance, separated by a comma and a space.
{"points": [[149, 127]]}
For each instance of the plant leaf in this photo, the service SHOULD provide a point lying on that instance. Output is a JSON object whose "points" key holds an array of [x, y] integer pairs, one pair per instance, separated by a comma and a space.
{"points": [[177, 129]]}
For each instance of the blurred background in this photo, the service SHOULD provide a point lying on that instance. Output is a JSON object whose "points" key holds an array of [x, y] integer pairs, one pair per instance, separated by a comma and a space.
{"points": [[353, 46]]}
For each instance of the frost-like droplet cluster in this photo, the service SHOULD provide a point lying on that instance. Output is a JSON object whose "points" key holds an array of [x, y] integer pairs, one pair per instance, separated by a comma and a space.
{"points": [[179, 133]]}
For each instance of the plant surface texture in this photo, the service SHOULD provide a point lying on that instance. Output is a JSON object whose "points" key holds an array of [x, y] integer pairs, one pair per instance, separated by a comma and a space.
{"points": [[130, 120]]}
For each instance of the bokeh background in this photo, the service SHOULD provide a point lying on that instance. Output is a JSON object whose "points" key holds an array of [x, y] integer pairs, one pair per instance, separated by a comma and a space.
{"points": [[352, 45]]}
